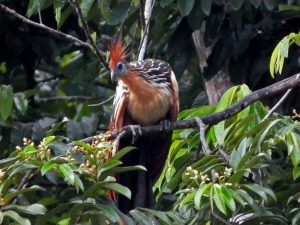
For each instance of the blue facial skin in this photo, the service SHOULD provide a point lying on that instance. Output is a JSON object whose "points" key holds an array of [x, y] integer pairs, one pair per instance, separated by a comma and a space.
{"points": [[120, 71]]}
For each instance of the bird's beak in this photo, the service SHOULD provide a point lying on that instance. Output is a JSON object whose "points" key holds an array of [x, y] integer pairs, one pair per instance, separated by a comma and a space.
{"points": [[114, 76]]}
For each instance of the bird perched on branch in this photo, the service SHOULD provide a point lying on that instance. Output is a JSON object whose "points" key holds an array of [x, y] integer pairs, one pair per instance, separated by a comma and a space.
{"points": [[146, 94]]}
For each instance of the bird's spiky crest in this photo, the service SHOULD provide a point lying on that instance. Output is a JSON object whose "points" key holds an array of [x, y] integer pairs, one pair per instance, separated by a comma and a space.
{"points": [[117, 53]]}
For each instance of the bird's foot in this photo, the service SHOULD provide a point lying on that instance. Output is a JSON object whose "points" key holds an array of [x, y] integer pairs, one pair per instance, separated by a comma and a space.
{"points": [[136, 132], [165, 126]]}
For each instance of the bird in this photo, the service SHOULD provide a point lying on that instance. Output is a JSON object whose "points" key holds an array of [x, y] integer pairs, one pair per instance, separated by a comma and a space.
{"points": [[146, 94]]}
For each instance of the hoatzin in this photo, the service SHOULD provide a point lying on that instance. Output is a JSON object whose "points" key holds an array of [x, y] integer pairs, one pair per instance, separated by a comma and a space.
{"points": [[146, 94]]}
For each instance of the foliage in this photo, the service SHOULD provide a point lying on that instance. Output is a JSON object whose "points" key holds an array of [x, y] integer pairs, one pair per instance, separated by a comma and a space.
{"points": [[81, 178], [254, 160], [47, 84], [281, 52]]}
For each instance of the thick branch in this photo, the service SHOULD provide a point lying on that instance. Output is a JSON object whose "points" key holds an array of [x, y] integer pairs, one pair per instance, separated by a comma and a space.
{"points": [[215, 118]]}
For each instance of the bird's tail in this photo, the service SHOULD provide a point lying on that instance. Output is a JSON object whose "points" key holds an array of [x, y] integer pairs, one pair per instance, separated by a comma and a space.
{"points": [[151, 153]]}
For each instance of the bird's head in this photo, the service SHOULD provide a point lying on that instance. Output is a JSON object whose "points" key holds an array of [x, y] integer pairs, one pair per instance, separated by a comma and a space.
{"points": [[117, 63]]}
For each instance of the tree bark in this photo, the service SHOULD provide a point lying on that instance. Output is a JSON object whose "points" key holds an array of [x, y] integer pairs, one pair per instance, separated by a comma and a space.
{"points": [[221, 82]]}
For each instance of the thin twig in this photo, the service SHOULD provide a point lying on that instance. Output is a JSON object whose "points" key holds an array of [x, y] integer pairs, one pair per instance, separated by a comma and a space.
{"points": [[50, 79], [58, 34], [39, 11], [224, 155], [103, 102], [275, 107], [119, 32], [202, 133], [142, 14], [220, 218], [64, 98], [147, 16], [88, 35]]}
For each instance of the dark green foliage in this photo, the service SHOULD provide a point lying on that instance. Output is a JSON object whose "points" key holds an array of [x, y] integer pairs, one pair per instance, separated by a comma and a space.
{"points": [[255, 181]]}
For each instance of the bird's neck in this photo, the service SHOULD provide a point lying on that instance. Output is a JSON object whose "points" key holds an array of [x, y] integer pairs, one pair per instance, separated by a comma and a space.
{"points": [[138, 87]]}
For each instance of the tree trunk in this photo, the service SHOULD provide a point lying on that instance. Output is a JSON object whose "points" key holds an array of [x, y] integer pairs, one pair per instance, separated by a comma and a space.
{"points": [[220, 82]]}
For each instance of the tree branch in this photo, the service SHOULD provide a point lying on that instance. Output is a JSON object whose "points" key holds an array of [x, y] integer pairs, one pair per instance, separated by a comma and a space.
{"points": [[147, 15], [203, 143], [215, 215], [64, 98], [215, 118], [103, 102], [88, 35], [53, 32], [275, 107]]}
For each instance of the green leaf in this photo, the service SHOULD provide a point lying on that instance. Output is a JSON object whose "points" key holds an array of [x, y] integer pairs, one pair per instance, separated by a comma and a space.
{"points": [[270, 4], [6, 101], [1, 217], [85, 6], [30, 149], [296, 172], [48, 140], [107, 186], [118, 188], [84, 145], [229, 201], [200, 193], [108, 212], [47, 167], [284, 45], [296, 38], [142, 218], [237, 176], [109, 165], [255, 3], [32, 8], [185, 7], [65, 221], [20, 168], [21, 102], [236, 4], [34, 209], [162, 216], [219, 199], [16, 217], [94, 37], [261, 191], [164, 3], [57, 10], [52, 213], [67, 173], [123, 152], [78, 183], [272, 66], [8, 197], [206, 6], [118, 13]]}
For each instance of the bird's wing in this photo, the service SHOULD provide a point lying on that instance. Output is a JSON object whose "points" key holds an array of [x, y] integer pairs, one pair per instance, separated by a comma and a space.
{"points": [[119, 107]]}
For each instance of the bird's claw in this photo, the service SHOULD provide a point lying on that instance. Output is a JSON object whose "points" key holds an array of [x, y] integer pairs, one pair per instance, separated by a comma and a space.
{"points": [[136, 132], [165, 125]]}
